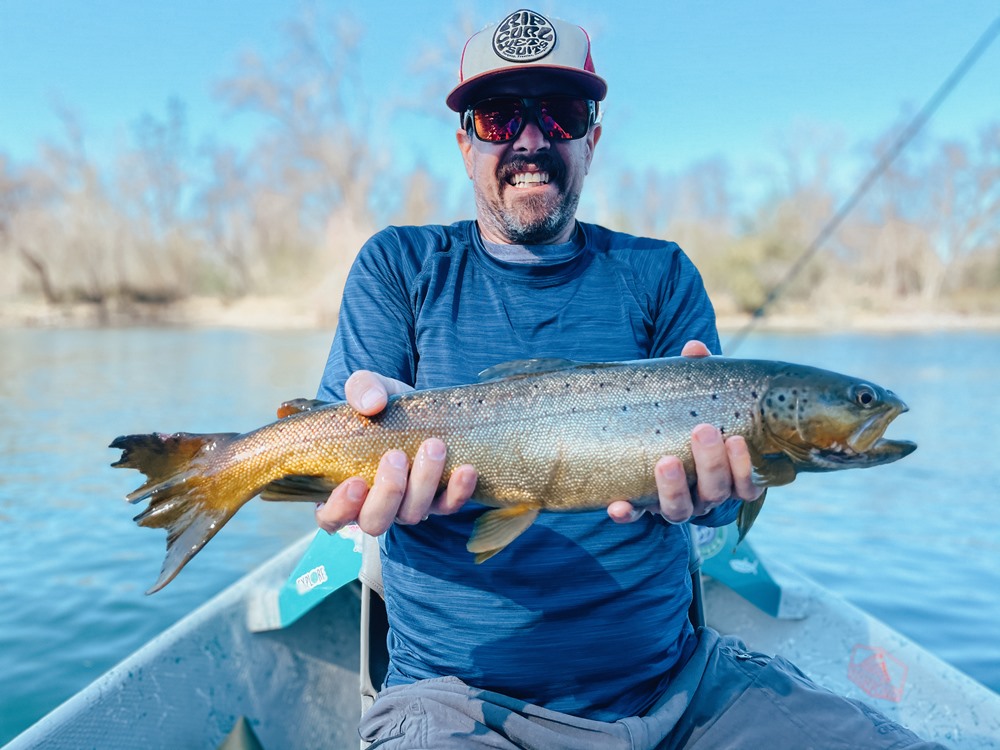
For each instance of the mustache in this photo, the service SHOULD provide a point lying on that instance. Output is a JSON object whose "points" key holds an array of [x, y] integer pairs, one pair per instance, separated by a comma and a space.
{"points": [[543, 161]]}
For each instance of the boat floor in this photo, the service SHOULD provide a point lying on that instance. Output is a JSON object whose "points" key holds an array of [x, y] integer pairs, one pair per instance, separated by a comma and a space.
{"points": [[298, 686]]}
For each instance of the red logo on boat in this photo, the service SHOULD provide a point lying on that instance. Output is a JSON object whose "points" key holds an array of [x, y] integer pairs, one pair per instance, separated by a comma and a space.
{"points": [[877, 672]]}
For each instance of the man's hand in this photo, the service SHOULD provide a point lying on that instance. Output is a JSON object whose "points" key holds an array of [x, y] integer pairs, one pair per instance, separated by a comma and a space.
{"points": [[722, 467], [400, 493]]}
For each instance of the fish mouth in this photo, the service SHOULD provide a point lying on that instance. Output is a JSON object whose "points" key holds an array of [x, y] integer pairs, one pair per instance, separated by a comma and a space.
{"points": [[871, 430], [881, 451]]}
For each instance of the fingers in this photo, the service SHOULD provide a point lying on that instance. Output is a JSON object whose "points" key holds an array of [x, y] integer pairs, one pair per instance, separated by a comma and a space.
{"points": [[622, 511], [676, 503], [368, 392], [742, 469], [696, 349], [711, 461], [343, 505], [423, 483], [386, 493], [723, 469], [400, 493], [461, 485]]}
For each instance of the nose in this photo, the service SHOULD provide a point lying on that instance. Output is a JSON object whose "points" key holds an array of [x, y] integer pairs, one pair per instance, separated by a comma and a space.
{"points": [[532, 138]]}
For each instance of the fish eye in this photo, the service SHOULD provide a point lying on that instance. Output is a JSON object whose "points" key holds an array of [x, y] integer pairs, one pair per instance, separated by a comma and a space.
{"points": [[864, 395]]}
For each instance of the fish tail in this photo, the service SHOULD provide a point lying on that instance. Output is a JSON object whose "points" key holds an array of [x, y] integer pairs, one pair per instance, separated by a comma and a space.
{"points": [[185, 496]]}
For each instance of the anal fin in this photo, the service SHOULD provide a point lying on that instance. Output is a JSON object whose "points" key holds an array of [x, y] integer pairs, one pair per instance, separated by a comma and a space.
{"points": [[495, 529]]}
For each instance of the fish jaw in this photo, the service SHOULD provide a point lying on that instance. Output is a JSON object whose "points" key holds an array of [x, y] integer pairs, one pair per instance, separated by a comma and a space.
{"points": [[870, 431], [882, 451]]}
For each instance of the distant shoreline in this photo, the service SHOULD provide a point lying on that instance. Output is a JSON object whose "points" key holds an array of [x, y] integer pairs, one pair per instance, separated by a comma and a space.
{"points": [[282, 313]]}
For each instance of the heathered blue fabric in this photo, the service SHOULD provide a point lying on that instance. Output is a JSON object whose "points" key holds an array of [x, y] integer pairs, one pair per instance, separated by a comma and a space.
{"points": [[579, 614]]}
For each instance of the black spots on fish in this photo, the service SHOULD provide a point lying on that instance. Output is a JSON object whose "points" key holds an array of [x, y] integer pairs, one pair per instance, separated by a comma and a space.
{"points": [[753, 394], [736, 414], [657, 431], [656, 404], [722, 429], [479, 401], [715, 396], [624, 408], [601, 385], [781, 397], [694, 413]]}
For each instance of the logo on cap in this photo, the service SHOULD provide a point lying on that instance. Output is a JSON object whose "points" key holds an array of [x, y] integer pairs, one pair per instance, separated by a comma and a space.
{"points": [[524, 36]]}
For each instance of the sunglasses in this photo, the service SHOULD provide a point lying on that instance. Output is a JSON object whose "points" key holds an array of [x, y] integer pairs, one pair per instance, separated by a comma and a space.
{"points": [[502, 118]]}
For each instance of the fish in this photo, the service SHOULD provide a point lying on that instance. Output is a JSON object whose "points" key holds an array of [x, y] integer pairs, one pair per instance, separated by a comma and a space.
{"points": [[548, 435]]}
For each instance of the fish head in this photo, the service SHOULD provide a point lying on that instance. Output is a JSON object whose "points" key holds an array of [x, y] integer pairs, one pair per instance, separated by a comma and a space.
{"points": [[824, 421]]}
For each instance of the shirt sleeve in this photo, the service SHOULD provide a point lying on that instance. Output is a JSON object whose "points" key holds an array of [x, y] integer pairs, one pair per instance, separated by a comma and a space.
{"points": [[683, 309], [723, 515], [375, 330]]}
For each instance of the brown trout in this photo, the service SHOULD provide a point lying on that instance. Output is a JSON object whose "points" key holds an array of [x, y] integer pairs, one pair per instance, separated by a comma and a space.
{"points": [[549, 435]]}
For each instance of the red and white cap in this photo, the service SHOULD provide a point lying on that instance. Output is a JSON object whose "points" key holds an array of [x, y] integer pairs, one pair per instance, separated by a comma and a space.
{"points": [[528, 44]]}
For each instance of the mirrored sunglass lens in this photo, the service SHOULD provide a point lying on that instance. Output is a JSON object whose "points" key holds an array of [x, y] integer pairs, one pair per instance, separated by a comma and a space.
{"points": [[498, 119], [565, 118]]}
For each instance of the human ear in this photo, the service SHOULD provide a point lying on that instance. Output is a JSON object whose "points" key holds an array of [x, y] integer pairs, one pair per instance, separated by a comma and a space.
{"points": [[465, 146]]}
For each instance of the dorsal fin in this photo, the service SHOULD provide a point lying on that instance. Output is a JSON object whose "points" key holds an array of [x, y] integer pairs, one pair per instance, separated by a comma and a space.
{"points": [[518, 367], [299, 405]]}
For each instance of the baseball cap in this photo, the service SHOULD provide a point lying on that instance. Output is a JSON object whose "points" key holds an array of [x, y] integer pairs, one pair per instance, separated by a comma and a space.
{"points": [[526, 43]]}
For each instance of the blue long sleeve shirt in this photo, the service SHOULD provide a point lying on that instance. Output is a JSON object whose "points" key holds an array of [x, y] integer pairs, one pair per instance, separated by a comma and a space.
{"points": [[579, 614]]}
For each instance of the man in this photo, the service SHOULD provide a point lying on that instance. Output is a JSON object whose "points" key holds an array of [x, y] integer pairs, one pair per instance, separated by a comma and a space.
{"points": [[576, 635]]}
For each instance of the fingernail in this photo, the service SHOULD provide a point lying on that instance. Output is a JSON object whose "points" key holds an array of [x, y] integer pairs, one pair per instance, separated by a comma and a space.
{"points": [[708, 436], [356, 492], [435, 451], [370, 399], [673, 472], [398, 460]]}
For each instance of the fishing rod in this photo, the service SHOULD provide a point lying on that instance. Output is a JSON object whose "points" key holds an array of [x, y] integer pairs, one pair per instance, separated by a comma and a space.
{"points": [[911, 130]]}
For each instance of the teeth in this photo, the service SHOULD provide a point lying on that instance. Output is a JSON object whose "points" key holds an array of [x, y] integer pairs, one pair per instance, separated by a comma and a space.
{"points": [[523, 179]]}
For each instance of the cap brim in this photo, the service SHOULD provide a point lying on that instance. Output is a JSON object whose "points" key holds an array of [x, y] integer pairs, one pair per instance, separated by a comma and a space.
{"points": [[569, 81]]}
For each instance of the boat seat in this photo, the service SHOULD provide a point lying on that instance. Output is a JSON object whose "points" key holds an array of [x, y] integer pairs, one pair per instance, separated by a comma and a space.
{"points": [[375, 623]]}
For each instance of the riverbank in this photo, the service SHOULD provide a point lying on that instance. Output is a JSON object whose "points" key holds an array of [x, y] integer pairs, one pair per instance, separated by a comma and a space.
{"points": [[308, 313]]}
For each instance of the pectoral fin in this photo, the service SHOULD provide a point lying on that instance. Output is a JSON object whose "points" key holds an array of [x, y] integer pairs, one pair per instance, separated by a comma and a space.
{"points": [[298, 488], [748, 514], [772, 470], [495, 529]]}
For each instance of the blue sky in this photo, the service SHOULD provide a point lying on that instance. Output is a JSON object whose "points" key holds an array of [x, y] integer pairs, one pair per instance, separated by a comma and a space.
{"points": [[688, 80]]}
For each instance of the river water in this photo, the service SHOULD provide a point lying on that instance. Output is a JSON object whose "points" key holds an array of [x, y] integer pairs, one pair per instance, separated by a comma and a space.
{"points": [[916, 543]]}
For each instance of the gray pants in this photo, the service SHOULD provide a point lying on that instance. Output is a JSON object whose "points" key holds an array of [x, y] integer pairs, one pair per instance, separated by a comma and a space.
{"points": [[724, 697]]}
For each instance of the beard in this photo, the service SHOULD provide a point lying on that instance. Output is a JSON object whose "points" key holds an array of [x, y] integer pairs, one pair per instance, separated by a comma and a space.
{"points": [[529, 219]]}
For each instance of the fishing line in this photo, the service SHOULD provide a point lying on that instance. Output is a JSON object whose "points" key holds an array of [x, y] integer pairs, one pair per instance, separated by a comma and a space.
{"points": [[911, 130]]}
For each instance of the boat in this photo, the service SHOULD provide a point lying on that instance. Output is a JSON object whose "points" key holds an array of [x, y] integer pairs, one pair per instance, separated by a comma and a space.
{"points": [[274, 661]]}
